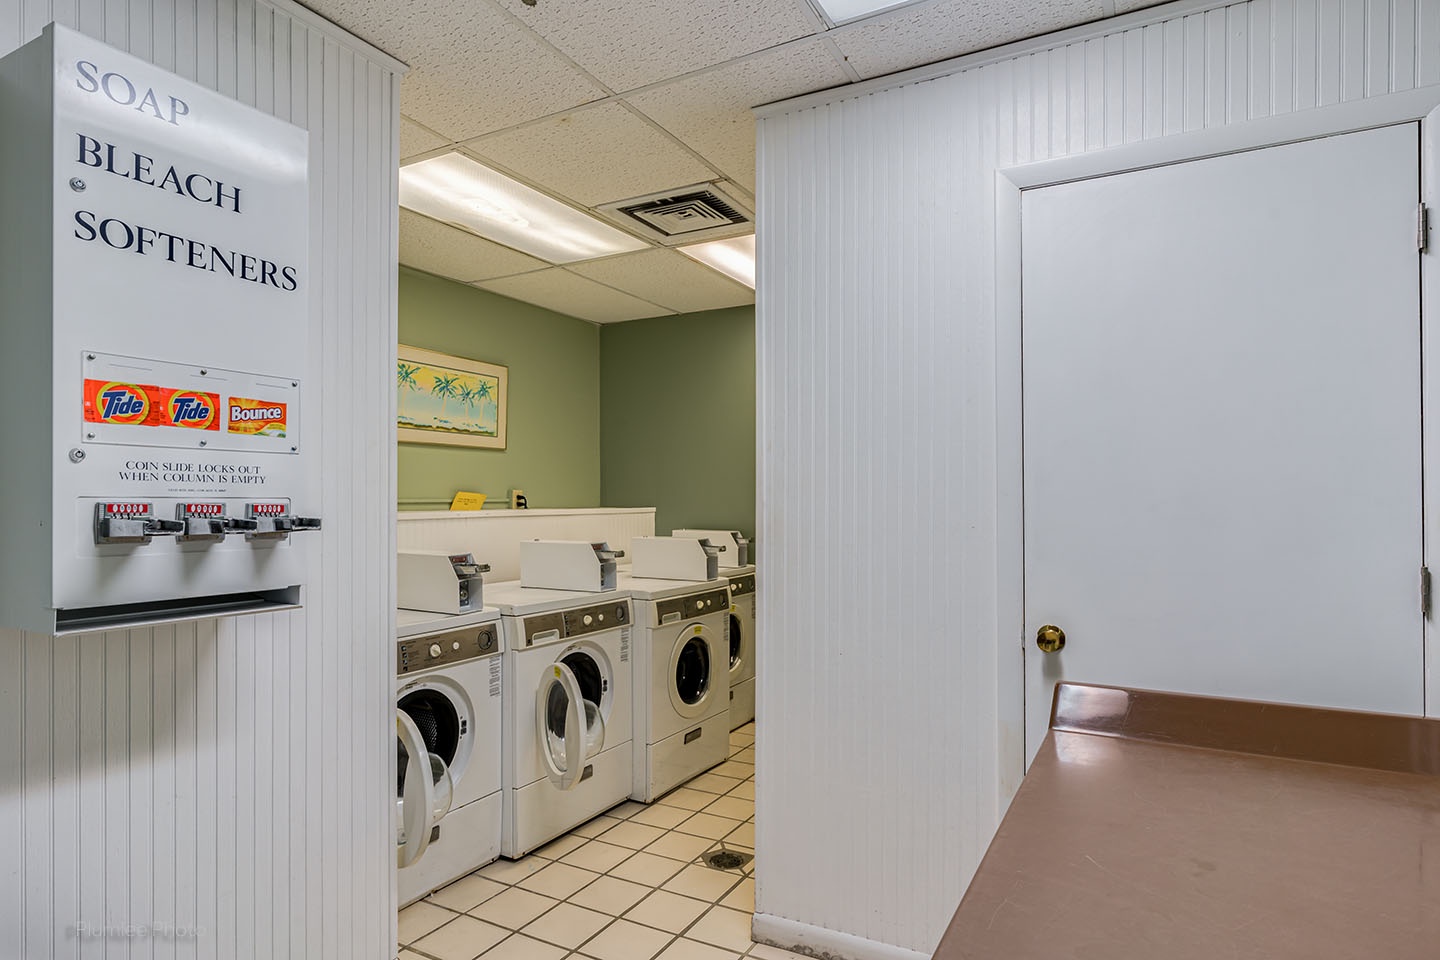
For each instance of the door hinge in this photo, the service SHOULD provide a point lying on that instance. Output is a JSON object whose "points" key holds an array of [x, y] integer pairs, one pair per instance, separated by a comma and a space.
{"points": [[1422, 228], [1425, 592]]}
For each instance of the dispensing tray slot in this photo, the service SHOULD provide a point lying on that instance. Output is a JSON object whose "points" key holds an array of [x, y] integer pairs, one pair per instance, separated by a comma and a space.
{"points": [[126, 615]]}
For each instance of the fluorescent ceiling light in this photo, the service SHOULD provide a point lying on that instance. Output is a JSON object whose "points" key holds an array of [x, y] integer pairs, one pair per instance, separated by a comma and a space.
{"points": [[840, 11], [455, 189], [734, 257]]}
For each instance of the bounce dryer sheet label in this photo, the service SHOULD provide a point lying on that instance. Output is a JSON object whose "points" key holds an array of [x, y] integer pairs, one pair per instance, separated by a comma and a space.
{"points": [[250, 416]]}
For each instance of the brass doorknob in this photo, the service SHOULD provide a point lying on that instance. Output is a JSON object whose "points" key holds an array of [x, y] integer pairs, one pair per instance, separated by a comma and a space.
{"points": [[1050, 638]]}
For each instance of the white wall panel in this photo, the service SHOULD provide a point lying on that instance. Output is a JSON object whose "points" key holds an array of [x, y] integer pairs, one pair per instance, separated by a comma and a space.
{"points": [[885, 757], [231, 774], [494, 536]]}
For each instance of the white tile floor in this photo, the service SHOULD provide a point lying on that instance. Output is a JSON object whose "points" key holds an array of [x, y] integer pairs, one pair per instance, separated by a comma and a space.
{"points": [[628, 885]]}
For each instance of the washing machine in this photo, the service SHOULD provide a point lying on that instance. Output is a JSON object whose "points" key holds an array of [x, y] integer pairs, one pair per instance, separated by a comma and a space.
{"points": [[568, 714], [742, 643], [682, 680], [448, 695], [742, 618]]}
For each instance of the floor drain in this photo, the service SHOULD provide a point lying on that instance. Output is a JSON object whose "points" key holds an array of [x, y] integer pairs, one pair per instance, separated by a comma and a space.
{"points": [[726, 859]]}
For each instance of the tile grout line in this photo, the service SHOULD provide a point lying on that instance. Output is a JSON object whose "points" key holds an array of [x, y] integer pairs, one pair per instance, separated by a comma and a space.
{"points": [[566, 849]]}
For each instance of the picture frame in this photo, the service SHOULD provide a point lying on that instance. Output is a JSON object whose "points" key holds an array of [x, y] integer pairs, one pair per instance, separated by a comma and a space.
{"points": [[455, 401]]}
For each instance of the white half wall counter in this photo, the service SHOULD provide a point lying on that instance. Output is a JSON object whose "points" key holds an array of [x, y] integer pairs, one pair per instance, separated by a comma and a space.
{"points": [[494, 536]]}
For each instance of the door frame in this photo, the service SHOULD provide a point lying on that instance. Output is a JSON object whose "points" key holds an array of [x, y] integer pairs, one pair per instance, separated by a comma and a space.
{"points": [[1422, 105]]}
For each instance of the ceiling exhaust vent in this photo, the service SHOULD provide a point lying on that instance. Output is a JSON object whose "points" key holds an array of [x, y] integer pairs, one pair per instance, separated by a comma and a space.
{"points": [[685, 215]]}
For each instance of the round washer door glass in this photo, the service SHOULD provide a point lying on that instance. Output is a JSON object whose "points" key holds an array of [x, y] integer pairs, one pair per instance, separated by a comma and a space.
{"points": [[439, 724], [692, 670], [590, 678], [737, 640]]}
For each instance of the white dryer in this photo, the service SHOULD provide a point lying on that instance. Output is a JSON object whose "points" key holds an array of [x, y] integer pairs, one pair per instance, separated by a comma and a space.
{"points": [[682, 680], [742, 643], [568, 712], [448, 698]]}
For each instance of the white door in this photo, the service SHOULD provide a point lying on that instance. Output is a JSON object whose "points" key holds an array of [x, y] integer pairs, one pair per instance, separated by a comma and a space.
{"points": [[1221, 368]]}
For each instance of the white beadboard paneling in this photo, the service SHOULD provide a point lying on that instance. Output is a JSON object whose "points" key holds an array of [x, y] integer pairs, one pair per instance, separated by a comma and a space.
{"points": [[494, 536], [876, 352], [230, 775]]}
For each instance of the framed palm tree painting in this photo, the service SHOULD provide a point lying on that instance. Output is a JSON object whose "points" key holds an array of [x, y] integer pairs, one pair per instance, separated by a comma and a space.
{"points": [[452, 400]]}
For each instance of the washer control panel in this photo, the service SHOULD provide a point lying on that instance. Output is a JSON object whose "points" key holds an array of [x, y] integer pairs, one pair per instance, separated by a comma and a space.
{"points": [[695, 605], [739, 586], [563, 624], [443, 649], [602, 616]]}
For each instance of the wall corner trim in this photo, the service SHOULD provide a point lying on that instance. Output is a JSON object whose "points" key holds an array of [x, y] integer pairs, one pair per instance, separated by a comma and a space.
{"points": [[340, 35], [819, 942]]}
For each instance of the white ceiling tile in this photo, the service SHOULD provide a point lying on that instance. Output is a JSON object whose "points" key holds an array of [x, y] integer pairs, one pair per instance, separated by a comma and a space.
{"points": [[473, 69], [928, 32], [564, 292], [415, 139], [629, 43], [710, 112], [437, 248], [667, 278], [595, 155]]}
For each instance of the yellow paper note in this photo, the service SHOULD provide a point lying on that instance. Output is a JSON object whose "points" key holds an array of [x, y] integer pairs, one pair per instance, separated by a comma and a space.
{"points": [[467, 501]]}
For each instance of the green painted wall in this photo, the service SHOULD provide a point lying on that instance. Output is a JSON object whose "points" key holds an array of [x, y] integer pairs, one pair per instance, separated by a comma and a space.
{"points": [[662, 382], [554, 419]]}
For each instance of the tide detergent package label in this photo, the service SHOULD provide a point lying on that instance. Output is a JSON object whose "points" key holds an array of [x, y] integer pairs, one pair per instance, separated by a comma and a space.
{"points": [[150, 405]]}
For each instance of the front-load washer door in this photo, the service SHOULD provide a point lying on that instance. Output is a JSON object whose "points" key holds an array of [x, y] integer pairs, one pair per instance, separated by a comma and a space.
{"points": [[695, 662], [445, 717], [424, 791], [593, 673], [571, 726], [740, 651]]}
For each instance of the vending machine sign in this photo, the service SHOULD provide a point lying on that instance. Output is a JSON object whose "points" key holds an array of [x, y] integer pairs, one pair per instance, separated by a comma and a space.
{"points": [[178, 405]]}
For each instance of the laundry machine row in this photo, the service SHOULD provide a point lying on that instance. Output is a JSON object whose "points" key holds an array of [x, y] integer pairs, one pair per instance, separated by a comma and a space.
{"points": [[549, 706]]}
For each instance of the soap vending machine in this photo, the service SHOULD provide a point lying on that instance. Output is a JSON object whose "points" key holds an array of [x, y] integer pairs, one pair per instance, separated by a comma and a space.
{"points": [[675, 558], [439, 582], [568, 565], [156, 296], [734, 545]]}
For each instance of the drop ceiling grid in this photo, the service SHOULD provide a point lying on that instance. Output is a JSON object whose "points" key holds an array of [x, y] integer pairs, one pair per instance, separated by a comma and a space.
{"points": [[415, 139], [439, 248], [571, 294], [710, 111], [630, 43], [562, 102], [669, 279], [596, 155], [521, 76]]}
